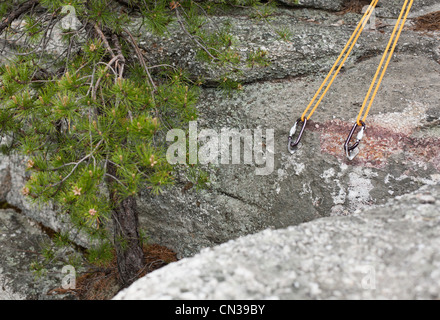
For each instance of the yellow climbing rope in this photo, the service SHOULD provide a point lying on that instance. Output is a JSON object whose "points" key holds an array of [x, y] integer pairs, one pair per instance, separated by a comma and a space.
{"points": [[350, 45], [397, 28], [351, 150]]}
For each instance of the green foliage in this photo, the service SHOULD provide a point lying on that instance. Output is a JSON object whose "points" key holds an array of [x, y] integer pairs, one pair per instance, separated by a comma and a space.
{"points": [[199, 178], [71, 138], [6, 6], [61, 239], [33, 28], [258, 57], [56, 5], [75, 260], [101, 255], [263, 11], [156, 17], [47, 252], [228, 84], [40, 265], [76, 114], [143, 237], [284, 34], [38, 269]]}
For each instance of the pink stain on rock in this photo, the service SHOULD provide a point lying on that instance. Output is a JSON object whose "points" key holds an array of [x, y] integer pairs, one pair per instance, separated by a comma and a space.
{"points": [[378, 145]]}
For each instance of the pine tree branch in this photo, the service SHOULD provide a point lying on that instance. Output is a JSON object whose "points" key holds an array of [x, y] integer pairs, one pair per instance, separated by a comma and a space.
{"points": [[108, 65], [76, 165], [141, 58], [104, 40], [121, 62], [17, 13], [116, 179], [180, 21]]}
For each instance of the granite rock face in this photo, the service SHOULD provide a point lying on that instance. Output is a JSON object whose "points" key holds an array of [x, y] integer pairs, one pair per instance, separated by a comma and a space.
{"points": [[390, 252], [21, 245], [318, 4], [317, 38], [392, 8], [399, 154], [385, 8], [13, 177]]}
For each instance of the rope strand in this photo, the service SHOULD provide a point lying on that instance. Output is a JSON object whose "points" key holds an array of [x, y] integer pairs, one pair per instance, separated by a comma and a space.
{"points": [[390, 55], [356, 34]]}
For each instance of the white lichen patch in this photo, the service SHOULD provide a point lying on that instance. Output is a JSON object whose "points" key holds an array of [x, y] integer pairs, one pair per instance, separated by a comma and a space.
{"points": [[360, 185], [328, 174], [401, 122], [341, 196]]}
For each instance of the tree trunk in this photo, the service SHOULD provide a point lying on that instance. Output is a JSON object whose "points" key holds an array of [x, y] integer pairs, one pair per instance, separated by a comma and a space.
{"points": [[130, 256]]}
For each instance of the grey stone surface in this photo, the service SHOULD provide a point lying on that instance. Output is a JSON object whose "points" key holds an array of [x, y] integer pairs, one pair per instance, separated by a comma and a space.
{"points": [[318, 4], [392, 8], [13, 177], [385, 8], [400, 153], [316, 181], [390, 252], [317, 39], [21, 244]]}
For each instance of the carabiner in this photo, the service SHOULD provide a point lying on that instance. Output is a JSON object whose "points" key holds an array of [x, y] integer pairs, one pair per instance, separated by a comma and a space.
{"points": [[291, 146], [352, 151]]}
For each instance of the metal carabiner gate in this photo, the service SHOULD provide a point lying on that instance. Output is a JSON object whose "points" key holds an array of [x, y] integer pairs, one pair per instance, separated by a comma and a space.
{"points": [[291, 146], [351, 151]]}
